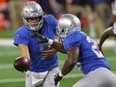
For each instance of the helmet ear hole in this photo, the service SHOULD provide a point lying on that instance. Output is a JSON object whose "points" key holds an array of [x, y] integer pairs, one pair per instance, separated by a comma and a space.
{"points": [[62, 30]]}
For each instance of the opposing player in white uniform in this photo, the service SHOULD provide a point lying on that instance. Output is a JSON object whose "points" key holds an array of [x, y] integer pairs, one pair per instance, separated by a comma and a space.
{"points": [[43, 65], [80, 48], [111, 30]]}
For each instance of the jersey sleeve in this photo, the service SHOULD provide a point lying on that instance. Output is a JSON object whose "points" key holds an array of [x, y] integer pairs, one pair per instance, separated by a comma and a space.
{"points": [[72, 39], [114, 28], [52, 21], [20, 38]]}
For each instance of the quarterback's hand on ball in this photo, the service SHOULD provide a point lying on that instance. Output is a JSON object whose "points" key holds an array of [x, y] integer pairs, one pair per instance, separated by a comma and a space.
{"points": [[42, 39], [22, 64], [57, 78]]}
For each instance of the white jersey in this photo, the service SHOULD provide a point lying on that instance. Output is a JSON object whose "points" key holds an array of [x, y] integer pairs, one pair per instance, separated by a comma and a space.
{"points": [[114, 28], [113, 5]]}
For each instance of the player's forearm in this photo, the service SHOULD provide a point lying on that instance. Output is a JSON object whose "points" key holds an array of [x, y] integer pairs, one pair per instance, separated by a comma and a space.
{"points": [[104, 36], [58, 46], [102, 40], [67, 67], [73, 53], [24, 51]]}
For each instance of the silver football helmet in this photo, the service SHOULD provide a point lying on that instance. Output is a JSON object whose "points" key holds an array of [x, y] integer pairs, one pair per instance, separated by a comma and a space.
{"points": [[66, 23], [31, 10]]}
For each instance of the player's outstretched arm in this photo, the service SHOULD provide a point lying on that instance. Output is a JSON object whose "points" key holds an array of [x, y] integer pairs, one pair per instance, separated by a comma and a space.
{"points": [[108, 32], [23, 62], [57, 45]]}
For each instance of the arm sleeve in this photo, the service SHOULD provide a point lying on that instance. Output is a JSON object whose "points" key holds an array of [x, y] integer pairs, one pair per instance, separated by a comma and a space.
{"points": [[72, 40], [54, 23], [20, 39]]}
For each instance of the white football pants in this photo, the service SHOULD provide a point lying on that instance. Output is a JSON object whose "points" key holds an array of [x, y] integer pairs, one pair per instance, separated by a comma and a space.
{"points": [[43, 79]]}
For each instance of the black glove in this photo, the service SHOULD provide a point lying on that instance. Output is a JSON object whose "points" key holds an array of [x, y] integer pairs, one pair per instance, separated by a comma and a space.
{"points": [[57, 78], [42, 39]]}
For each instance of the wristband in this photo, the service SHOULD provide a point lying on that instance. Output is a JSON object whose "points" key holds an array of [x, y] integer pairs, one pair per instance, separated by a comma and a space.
{"points": [[60, 74], [50, 41]]}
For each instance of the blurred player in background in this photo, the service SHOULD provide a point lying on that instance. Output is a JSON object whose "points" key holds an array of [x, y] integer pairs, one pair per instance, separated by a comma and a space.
{"points": [[43, 65], [80, 48], [113, 15], [111, 30]]}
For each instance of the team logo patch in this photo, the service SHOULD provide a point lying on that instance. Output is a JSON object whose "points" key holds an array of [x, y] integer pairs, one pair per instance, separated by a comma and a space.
{"points": [[34, 14]]}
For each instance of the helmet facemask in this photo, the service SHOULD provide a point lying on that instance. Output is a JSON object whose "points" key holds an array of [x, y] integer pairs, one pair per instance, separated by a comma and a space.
{"points": [[33, 28], [32, 10], [61, 33], [67, 23]]}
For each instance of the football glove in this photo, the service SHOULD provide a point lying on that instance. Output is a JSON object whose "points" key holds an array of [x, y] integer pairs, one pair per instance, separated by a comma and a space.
{"points": [[57, 78], [42, 39]]}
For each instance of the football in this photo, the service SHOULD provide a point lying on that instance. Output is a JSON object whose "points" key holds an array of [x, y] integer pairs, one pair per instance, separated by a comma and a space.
{"points": [[22, 64]]}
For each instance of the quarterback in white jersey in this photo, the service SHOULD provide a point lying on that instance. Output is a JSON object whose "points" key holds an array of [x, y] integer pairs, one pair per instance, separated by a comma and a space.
{"points": [[111, 31]]}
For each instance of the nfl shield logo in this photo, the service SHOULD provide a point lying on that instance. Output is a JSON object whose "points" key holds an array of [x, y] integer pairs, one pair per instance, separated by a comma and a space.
{"points": [[34, 14]]}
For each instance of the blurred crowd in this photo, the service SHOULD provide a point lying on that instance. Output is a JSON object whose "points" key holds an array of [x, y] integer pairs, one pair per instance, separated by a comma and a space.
{"points": [[94, 14]]}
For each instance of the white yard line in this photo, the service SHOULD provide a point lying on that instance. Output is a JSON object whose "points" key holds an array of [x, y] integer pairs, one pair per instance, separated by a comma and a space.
{"points": [[12, 80], [6, 42], [6, 66], [9, 42]]}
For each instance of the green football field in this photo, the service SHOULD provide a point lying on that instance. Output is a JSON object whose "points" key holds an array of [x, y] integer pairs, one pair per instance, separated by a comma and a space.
{"points": [[9, 77]]}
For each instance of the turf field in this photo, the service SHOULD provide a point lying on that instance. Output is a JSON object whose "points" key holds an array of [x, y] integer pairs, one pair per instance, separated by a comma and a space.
{"points": [[9, 77]]}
